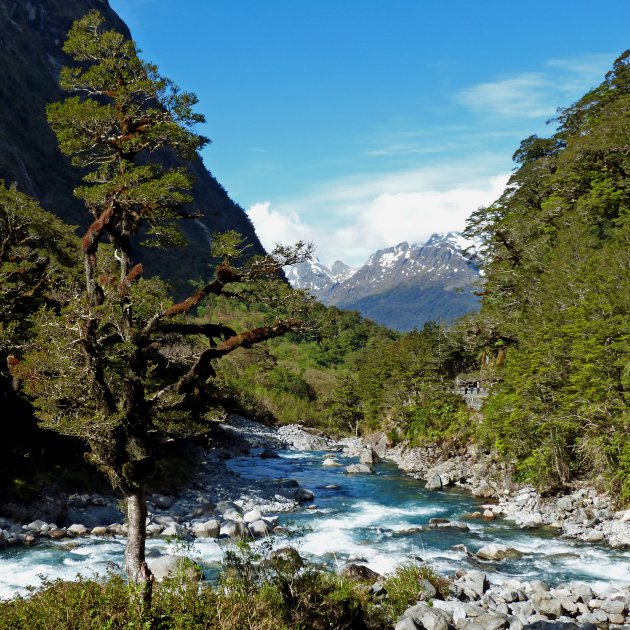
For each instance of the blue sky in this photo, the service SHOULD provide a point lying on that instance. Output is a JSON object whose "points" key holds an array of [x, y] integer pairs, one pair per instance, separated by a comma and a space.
{"points": [[361, 123]]}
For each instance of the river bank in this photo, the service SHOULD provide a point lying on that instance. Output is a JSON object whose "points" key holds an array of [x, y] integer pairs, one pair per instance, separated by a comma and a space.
{"points": [[583, 514], [377, 521]]}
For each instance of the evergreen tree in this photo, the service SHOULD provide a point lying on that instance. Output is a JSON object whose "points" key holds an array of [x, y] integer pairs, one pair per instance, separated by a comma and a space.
{"points": [[121, 366]]}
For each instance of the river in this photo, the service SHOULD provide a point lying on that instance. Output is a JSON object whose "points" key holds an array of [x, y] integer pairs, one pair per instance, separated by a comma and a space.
{"points": [[359, 516]]}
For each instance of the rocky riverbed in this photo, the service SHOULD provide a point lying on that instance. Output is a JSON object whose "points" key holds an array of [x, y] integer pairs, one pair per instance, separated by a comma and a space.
{"points": [[220, 503]]}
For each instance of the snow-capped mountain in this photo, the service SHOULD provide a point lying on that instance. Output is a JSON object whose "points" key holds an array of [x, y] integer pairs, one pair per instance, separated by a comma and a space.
{"points": [[315, 277], [402, 286]]}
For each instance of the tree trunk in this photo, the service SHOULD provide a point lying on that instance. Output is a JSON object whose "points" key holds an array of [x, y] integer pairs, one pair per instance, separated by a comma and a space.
{"points": [[135, 565]]}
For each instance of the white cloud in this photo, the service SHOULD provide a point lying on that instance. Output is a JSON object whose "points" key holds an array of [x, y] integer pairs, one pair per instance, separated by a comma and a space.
{"points": [[539, 93], [527, 95], [274, 227], [350, 218]]}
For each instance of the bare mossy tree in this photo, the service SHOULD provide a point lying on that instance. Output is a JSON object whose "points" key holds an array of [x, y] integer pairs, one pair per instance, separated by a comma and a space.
{"points": [[121, 366]]}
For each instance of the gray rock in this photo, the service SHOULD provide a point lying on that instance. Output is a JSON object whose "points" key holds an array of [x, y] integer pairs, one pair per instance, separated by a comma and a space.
{"points": [[369, 456], [99, 531], [473, 584], [234, 529], [565, 503], [492, 621], [302, 495], [427, 617], [175, 530], [359, 572], [233, 515], [407, 623], [435, 483], [78, 530], [165, 519], [359, 469], [208, 529], [252, 516], [456, 610], [329, 462], [260, 529], [546, 604], [154, 529], [483, 490], [174, 566], [222, 506], [497, 551], [427, 589], [614, 606]]}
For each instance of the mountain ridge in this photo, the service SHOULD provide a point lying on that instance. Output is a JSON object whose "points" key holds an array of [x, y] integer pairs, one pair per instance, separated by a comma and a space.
{"points": [[402, 286], [30, 60]]}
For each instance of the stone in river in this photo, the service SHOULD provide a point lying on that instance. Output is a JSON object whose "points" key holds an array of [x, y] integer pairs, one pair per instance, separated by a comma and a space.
{"points": [[497, 551], [252, 516], [260, 529], [329, 462], [435, 483], [369, 456], [209, 529], [234, 529], [269, 454], [359, 468]]}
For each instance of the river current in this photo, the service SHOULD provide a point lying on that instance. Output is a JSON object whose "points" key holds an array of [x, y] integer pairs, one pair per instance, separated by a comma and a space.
{"points": [[358, 517]]}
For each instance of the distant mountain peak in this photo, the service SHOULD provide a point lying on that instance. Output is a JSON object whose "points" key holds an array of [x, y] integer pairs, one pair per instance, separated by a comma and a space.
{"points": [[401, 286]]}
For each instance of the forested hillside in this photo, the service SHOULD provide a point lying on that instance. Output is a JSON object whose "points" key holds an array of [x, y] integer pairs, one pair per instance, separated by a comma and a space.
{"points": [[31, 57], [554, 323]]}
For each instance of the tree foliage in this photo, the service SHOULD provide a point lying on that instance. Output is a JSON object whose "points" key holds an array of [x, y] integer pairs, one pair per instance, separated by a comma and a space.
{"points": [[120, 365], [556, 256]]}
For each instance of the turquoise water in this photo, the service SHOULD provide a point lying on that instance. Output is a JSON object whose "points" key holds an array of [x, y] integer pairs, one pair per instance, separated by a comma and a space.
{"points": [[363, 518], [367, 515]]}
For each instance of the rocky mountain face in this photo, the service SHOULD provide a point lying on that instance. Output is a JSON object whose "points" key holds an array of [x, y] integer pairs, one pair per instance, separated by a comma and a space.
{"points": [[31, 35], [402, 286]]}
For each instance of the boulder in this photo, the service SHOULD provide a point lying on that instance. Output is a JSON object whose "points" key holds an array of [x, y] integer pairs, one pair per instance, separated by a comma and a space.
{"points": [[58, 534], [546, 604], [427, 617], [222, 506], [78, 530], [359, 469], [497, 551], [99, 531], [483, 490], [154, 529], [234, 529], [565, 503], [359, 572], [233, 515], [174, 566], [329, 462], [473, 584], [175, 530], [369, 456], [302, 495], [407, 623], [162, 501], [252, 516], [434, 483], [269, 454], [260, 529], [208, 529]]}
